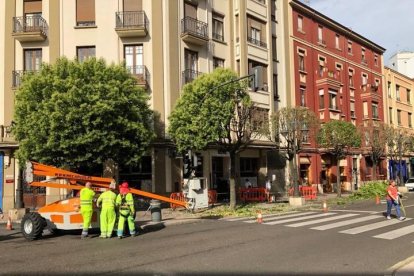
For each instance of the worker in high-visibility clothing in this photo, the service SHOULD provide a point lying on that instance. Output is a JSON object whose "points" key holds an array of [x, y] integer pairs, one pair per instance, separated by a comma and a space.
{"points": [[86, 208], [108, 216], [125, 202]]}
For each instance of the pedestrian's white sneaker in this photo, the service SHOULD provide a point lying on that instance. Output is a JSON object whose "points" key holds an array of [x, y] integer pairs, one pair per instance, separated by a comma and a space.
{"points": [[401, 218], [388, 217]]}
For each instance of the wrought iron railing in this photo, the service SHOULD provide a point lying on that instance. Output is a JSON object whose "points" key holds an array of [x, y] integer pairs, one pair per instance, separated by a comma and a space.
{"points": [[140, 72], [18, 75], [256, 42], [190, 75], [25, 24], [131, 19], [193, 26]]}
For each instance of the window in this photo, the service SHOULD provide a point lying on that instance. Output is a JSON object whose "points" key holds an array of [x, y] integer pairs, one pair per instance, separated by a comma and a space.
{"points": [[274, 48], [85, 52], [397, 92], [337, 41], [364, 79], [32, 59], [32, 11], [321, 99], [375, 60], [218, 29], [300, 23], [333, 100], [320, 35], [398, 117], [352, 109], [273, 11], [85, 12], [256, 33], [260, 118], [134, 59], [302, 90], [363, 60], [351, 78], [321, 66], [263, 82], [191, 65], [350, 47], [389, 89], [375, 110], [301, 60], [275, 90], [190, 10], [390, 114], [409, 120], [409, 96], [218, 62]]}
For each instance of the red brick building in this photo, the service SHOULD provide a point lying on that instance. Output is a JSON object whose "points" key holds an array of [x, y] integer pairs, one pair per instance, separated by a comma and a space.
{"points": [[337, 74]]}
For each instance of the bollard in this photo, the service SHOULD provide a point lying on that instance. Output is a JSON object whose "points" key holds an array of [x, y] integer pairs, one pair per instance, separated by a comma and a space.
{"points": [[155, 210]]}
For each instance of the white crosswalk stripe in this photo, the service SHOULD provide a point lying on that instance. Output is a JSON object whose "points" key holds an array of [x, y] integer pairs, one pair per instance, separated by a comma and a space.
{"points": [[346, 222], [396, 233], [321, 220], [297, 219], [372, 226], [283, 217]]}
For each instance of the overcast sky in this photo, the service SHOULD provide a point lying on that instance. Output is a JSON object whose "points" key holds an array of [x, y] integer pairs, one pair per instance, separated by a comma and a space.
{"points": [[388, 23]]}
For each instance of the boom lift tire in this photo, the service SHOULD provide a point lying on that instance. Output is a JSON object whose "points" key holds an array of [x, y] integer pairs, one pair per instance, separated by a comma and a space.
{"points": [[32, 226]]}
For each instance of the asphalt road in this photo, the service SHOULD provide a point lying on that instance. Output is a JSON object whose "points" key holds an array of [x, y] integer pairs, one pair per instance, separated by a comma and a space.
{"points": [[219, 247]]}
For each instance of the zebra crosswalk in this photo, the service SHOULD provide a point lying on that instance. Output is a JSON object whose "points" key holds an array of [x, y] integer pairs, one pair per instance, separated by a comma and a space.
{"points": [[353, 222]]}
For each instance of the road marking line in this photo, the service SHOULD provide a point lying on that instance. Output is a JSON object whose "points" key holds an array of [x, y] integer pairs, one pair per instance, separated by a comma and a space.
{"points": [[347, 222], [396, 233], [282, 217], [321, 220], [355, 211], [372, 226], [264, 216], [297, 219]]}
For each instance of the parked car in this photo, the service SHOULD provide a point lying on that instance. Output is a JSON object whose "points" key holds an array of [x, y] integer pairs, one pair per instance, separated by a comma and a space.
{"points": [[410, 183]]}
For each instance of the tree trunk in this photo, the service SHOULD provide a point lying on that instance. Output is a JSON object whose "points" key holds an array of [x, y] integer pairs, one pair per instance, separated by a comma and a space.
{"points": [[338, 177], [374, 170], [292, 177], [234, 168]]}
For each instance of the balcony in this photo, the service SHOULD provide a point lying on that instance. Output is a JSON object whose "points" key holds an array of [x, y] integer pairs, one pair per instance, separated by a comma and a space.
{"points": [[131, 24], [18, 75], [29, 28], [190, 75], [141, 74], [257, 42], [194, 31]]}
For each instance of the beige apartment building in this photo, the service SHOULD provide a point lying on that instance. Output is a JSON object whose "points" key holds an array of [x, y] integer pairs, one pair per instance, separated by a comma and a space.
{"points": [[164, 44], [399, 110]]}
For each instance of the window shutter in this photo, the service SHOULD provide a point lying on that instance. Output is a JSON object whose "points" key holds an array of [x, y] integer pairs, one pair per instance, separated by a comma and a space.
{"points": [[85, 10], [190, 10], [32, 6], [132, 5]]}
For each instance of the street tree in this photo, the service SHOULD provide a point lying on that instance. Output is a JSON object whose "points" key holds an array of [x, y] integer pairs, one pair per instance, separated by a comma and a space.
{"points": [[297, 126], [338, 138], [80, 115], [215, 109], [374, 137], [399, 143]]}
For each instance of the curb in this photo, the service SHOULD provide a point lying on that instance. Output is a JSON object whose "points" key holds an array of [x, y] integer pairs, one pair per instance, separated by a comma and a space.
{"points": [[396, 269]]}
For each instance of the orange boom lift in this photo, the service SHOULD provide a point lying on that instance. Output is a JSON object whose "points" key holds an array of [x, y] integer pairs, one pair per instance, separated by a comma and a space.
{"points": [[64, 214]]}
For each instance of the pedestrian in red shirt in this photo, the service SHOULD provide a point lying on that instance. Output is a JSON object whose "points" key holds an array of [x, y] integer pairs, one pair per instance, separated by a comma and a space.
{"points": [[392, 200]]}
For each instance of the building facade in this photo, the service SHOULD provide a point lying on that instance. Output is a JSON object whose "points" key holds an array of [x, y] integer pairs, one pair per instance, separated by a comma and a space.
{"points": [[403, 62], [338, 75], [164, 44], [399, 114]]}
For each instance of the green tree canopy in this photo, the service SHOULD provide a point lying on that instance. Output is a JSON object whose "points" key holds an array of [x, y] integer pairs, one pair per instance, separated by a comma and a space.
{"points": [[214, 109], [81, 114], [338, 138]]}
